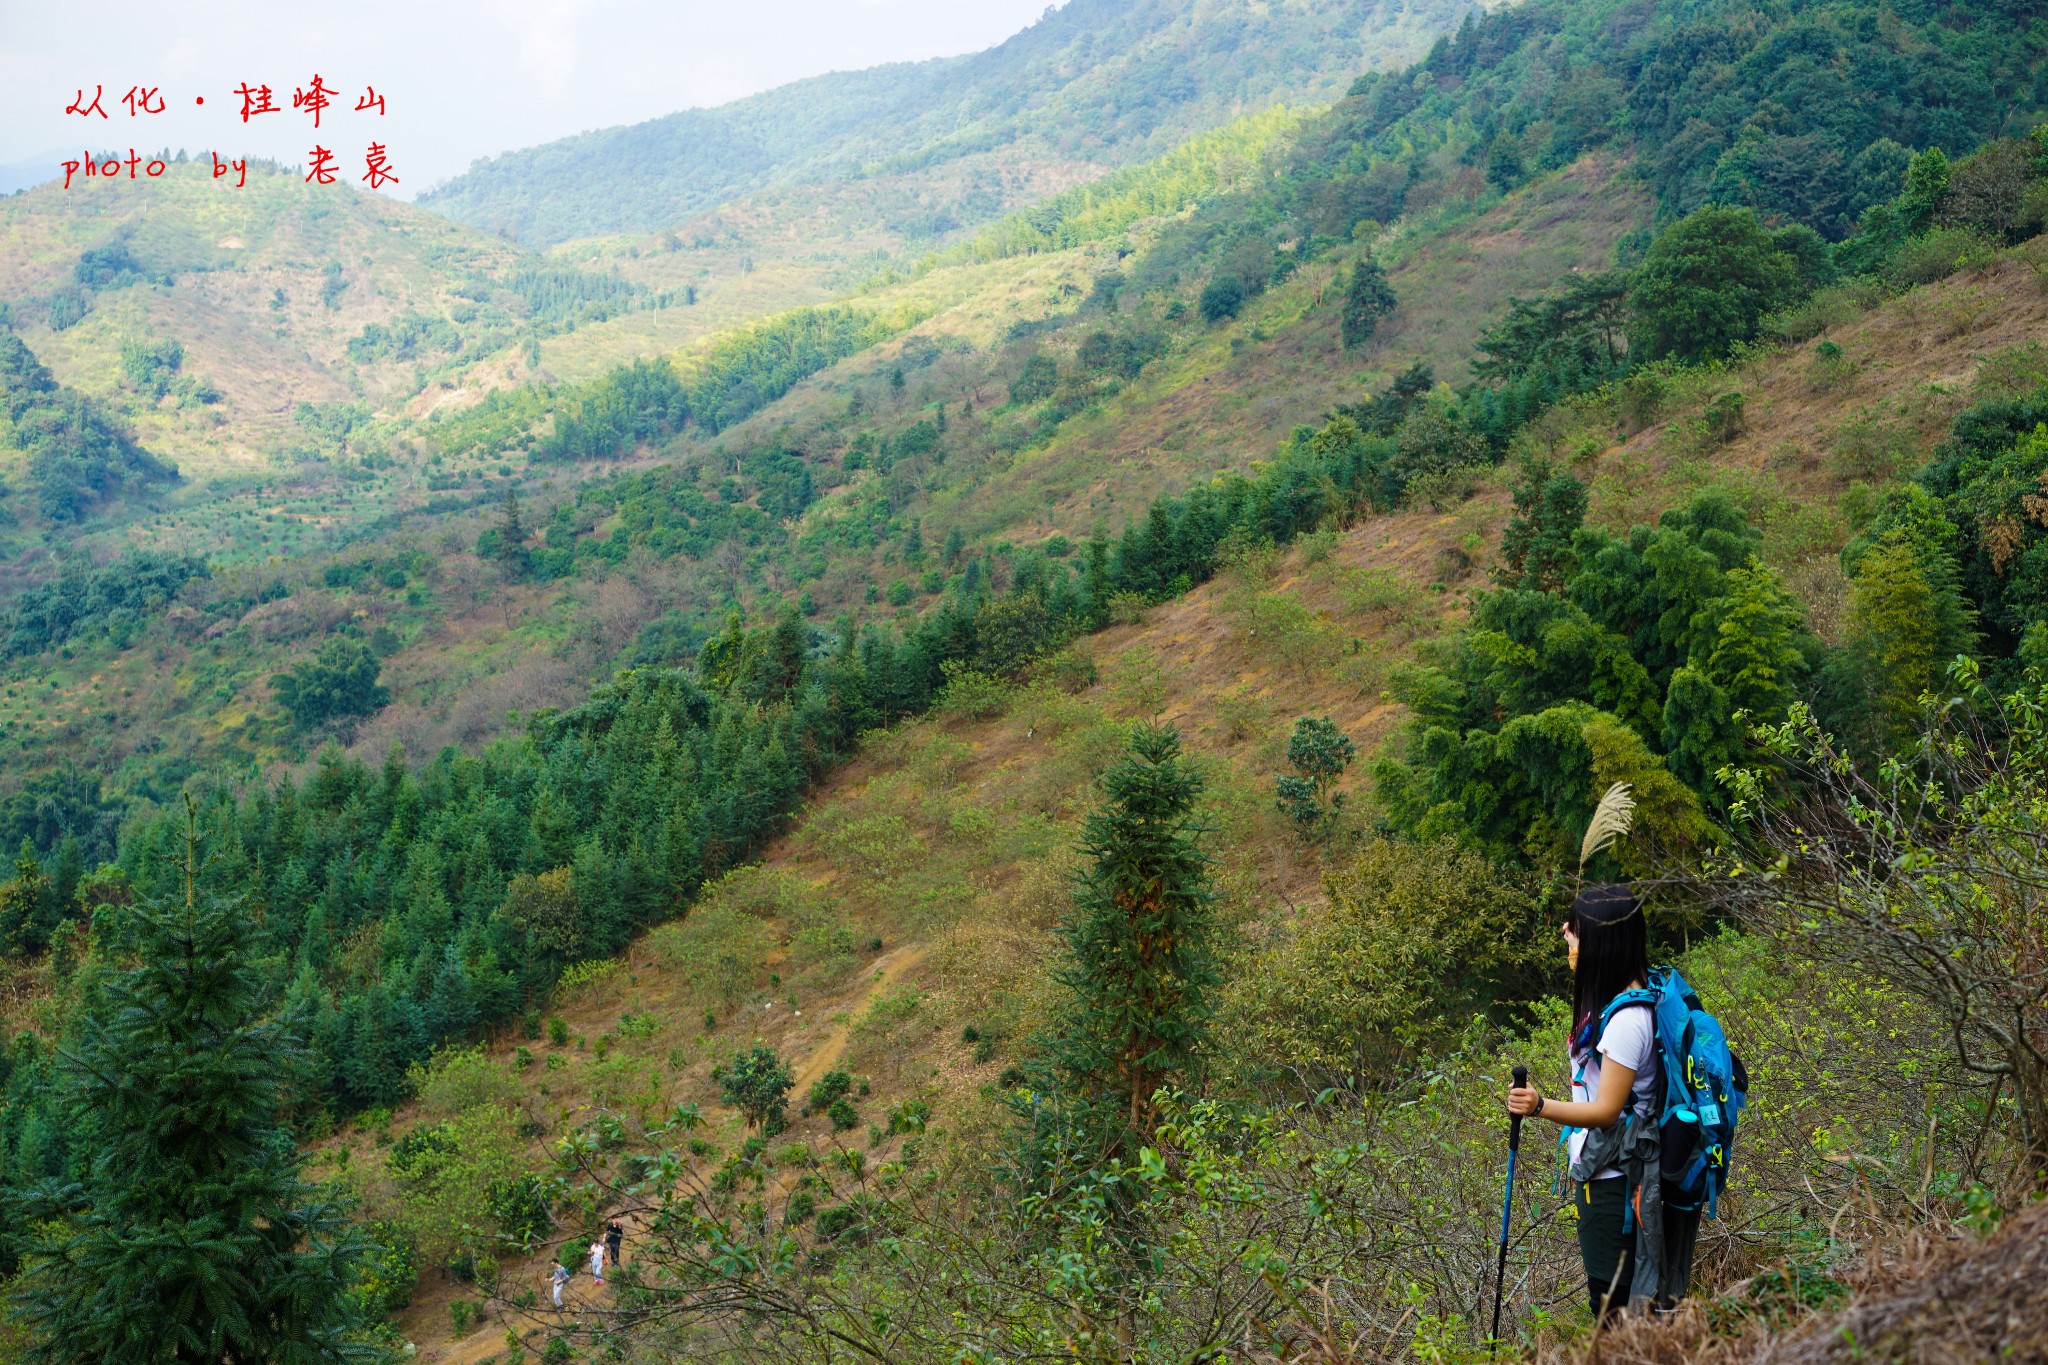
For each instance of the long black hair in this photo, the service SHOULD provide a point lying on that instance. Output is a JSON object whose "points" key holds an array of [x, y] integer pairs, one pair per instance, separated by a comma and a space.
{"points": [[1614, 953]]}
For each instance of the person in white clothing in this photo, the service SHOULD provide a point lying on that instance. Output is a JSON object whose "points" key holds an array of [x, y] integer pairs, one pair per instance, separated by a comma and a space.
{"points": [[597, 1260], [1614, 1070]]}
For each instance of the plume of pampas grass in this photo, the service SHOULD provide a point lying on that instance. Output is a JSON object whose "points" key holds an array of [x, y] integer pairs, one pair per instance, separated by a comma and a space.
{"points": [[1612, 819]]}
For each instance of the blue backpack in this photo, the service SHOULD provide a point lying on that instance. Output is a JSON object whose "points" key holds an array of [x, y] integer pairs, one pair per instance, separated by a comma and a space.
{"points": [[1704, 1089]]}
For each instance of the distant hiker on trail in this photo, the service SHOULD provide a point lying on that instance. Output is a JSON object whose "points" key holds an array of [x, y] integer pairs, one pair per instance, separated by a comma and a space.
{"points": [[558, 1279], [597, 1261], [1651, 1118], [615, 1241]]}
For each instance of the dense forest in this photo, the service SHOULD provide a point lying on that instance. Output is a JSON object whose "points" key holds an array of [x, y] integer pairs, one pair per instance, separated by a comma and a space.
{"points": [[77, 456]]}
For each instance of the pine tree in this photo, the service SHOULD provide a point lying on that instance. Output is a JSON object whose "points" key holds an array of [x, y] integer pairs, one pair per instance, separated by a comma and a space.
{"points": [[1926, 184], [192, 1236], [21, 904], [511, 548], [1368, 299], [1506, 169], [1907, 623], [1756, 659], [1139, 961], [1536, 549]]}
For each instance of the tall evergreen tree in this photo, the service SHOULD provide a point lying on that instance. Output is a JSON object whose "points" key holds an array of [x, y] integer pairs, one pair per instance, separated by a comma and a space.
{"points": [[1140, 966], [192, 1236], [1536, 549], [1368, 299], [511, 548], [1907, 623], [1756, 654]]}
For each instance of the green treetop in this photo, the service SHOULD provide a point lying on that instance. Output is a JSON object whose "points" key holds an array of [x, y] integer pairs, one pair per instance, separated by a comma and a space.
{"points": [[1140, 967], [1367, 299], [192, 1236]]}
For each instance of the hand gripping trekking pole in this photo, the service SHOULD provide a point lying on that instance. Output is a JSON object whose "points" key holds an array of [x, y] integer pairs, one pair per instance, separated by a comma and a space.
{"points": [[1507, 1205]]}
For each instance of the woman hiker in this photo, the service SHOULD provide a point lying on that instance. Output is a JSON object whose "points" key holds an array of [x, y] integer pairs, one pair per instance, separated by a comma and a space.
{"points": [[597, 1260], [1646, 1258]]}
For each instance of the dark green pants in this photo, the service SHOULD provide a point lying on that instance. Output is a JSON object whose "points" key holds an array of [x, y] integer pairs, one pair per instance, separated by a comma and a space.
{"points": [[1605, 1250]]}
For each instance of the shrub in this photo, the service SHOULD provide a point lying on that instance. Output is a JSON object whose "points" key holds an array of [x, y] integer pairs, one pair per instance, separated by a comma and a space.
{"points": [[1829, 308], [390, 1269], [843, 1222], [1926, 878], [338, 683], [909, 1116], [719, 948], [970, 693], [1222, 298], [1319, 753], [842, 1114], [756, 1083], [1940, 254], [1442, 489], [1830, 368], [2012, 370], [1869, 446], [1127, 608], [1413, 941], [1036, 381], [1722, 417], [580, 978], [1642, 398], [826, 1089]]}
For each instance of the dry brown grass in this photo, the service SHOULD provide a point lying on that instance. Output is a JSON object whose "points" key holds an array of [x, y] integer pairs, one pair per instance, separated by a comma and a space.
{"points": [[1925, 1298], [1913, 363]]}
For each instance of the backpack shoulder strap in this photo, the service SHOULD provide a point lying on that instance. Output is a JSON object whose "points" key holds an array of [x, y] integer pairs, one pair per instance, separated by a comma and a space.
{"points": [[1638, 995]]}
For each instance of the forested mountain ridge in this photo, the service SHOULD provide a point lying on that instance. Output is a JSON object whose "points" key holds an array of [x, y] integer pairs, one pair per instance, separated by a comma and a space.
{"points": [[1094, 83]]}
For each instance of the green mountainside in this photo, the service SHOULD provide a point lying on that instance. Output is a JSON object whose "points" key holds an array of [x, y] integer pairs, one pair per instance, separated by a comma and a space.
{"points": [[1093, 84], [999, 794]]}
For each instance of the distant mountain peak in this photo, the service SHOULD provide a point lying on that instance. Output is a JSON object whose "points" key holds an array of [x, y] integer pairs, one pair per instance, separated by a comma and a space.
{"points": [[1093, 84]]}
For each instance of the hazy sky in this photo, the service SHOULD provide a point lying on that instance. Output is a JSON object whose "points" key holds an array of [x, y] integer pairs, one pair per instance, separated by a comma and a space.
{"points": [[461, 79]]}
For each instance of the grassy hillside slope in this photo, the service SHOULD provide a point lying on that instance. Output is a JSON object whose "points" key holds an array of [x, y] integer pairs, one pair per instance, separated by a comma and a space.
{"points": [[916, 898], [466, 648], [849, 832], [263, 286]]}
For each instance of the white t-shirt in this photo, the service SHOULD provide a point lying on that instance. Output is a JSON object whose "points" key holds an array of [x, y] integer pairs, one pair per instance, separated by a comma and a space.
{"points": [[1631, 1040]]}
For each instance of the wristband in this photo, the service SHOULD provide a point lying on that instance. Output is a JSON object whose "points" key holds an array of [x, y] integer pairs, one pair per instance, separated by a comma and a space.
{"points": [[1539, 1108]]}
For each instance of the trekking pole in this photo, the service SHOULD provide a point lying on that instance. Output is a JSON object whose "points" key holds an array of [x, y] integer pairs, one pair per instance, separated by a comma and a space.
{"points": [[1507, 1205]]}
